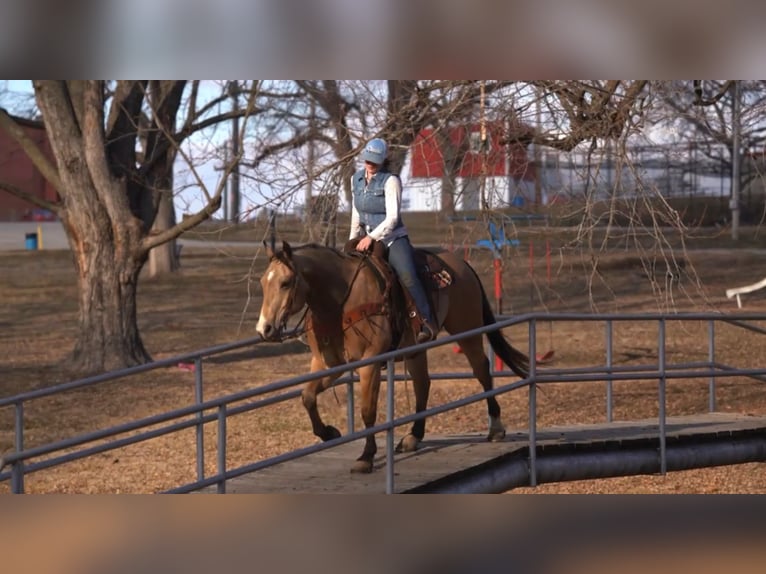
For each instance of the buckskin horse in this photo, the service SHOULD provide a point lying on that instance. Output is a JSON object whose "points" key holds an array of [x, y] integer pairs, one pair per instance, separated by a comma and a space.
{"points": [[353, 313]]}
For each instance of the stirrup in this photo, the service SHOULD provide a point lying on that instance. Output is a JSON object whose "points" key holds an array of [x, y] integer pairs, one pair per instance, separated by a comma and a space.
{"points": [[425, 335]]}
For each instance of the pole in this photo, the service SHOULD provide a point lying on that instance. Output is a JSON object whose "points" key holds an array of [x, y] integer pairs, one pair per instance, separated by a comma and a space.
{"points": [[735, 162], [531, 275], [538, 156], [308, 206], [483, 137], [227, 185], [273, 229], [548, 261], [498, 265], [235, 204]]}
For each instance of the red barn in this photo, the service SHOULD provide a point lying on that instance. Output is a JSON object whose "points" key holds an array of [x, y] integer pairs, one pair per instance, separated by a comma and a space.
{"points": [[428, 157], [18, 170]]}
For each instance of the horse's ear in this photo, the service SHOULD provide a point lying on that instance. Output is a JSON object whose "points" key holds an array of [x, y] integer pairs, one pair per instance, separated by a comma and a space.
{"points": [[269, 250], [287, 250]]}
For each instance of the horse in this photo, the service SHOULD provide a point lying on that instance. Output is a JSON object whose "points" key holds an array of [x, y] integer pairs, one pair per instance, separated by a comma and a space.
{"points": [[350, 316]]}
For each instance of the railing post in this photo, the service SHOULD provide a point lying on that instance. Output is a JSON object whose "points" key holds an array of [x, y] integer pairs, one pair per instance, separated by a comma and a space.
{"points": [[492, 373], [221, 487], [662, 397], [200, 429], [711, 358], [532, 403], [609, 364], [350, 403], [17, 469], [390, 431]]}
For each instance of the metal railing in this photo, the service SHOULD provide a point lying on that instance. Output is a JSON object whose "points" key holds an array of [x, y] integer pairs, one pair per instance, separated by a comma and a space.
{"points": [[23, 460]]}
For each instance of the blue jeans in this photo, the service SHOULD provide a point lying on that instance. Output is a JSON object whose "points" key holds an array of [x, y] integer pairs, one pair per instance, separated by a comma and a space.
{"points": [[400, 257]]}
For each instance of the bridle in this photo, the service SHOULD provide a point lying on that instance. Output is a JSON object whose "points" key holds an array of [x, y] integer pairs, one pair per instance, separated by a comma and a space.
{"points": [[290, 299], [349, 318]]}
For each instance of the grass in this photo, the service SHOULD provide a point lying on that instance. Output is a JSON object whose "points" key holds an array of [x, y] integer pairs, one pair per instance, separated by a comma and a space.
{"points": [[430, 228]]}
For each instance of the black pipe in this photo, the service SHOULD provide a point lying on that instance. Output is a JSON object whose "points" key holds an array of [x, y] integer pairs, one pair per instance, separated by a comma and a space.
{"points": [[511, 471]]}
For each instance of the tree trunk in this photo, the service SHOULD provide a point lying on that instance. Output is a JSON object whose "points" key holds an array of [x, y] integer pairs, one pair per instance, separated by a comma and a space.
{"points": [[164, 258], [108, 336], [452, 157], [448, 194], [104, 235]]}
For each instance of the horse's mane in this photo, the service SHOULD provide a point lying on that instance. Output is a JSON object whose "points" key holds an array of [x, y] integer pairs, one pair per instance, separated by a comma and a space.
{"points": [[314, 246], [318, 247]]}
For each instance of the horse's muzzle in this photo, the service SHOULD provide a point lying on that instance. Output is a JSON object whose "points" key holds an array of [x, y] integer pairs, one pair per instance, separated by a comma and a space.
{"points": [[270, 333]]}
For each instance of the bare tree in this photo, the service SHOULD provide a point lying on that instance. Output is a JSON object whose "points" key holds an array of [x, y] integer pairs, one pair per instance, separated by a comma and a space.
{"points": [[702, 112], [327, 94], [111, 192], [115, 145]]}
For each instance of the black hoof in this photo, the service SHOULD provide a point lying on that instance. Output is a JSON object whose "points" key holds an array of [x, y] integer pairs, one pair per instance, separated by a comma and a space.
{"points": [[329, 433]]}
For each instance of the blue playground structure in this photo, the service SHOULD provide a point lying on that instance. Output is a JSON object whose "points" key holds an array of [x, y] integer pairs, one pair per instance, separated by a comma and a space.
{"points": [[497, 239]]}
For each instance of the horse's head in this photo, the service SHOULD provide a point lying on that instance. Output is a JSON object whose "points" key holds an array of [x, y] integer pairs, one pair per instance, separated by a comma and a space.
{"points": [[284, 293]]}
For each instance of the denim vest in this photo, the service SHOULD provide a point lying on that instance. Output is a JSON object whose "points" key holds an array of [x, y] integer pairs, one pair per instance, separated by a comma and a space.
{"points": [[370, 199]]}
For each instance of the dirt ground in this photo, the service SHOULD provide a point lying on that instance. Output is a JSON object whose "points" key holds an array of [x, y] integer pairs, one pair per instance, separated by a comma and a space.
{"points": [[214, 300]]}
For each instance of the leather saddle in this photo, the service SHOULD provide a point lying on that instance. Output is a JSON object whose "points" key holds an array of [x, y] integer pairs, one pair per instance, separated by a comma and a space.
{"points": [[434, 275]]}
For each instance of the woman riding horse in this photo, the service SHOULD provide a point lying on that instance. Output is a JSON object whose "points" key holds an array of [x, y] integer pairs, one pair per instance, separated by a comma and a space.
{"points": [[348, 319], [376, 215]]}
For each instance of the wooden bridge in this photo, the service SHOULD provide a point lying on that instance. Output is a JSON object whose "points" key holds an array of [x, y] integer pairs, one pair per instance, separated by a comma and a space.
{"points": [[468, 463]]}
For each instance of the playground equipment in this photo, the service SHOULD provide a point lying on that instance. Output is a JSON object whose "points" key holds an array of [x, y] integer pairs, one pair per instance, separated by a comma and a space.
{"points": [[496, 243], [497, 239], [737, 291]]}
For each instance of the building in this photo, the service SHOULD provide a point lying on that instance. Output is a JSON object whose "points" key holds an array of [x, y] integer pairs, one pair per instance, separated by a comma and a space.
{"points": [[501, 168], [18, 170]]}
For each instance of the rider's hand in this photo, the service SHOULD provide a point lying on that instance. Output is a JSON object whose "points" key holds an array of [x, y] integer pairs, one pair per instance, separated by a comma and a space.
{"points": [[364, 243]]}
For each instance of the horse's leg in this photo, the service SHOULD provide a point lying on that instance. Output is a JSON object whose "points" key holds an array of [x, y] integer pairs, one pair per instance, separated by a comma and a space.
{"points": [[421, 383], [309, 397], [369, 384], [473, 349]]}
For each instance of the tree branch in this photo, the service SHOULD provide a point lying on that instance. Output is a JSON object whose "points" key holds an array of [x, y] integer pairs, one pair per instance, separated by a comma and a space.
{"points": [[188, 130], [41, 162], [700, 100], [123, 125], [30, 197], [153, 240], [95, 157]]}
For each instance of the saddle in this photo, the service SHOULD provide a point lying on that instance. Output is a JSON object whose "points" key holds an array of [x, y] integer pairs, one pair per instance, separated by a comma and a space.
{"points": [[433, 273]]}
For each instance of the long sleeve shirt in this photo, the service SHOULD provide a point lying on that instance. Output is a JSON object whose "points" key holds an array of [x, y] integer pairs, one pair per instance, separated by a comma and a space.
{"points": [[386, 231]]}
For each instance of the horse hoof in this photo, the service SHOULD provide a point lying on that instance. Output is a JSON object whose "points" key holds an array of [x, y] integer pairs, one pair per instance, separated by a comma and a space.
{"points": [[329, 433], [362, 467], [496, 436], [408, 444]]}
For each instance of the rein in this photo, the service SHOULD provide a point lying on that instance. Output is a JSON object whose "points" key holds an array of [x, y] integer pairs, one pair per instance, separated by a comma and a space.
{"points": [[353, 280], [301, 321], [358, 313], [366, 310]]}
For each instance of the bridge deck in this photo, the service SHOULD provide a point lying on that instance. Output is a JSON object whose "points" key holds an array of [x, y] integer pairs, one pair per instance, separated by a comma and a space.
{"points": [[443, 456]]}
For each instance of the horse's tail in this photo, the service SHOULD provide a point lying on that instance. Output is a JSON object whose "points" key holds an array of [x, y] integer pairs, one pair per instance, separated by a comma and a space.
{"points": [[517, 361]]}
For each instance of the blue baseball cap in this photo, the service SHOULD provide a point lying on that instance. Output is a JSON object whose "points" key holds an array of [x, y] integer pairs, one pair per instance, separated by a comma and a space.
{"points": [[375, 151]]}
